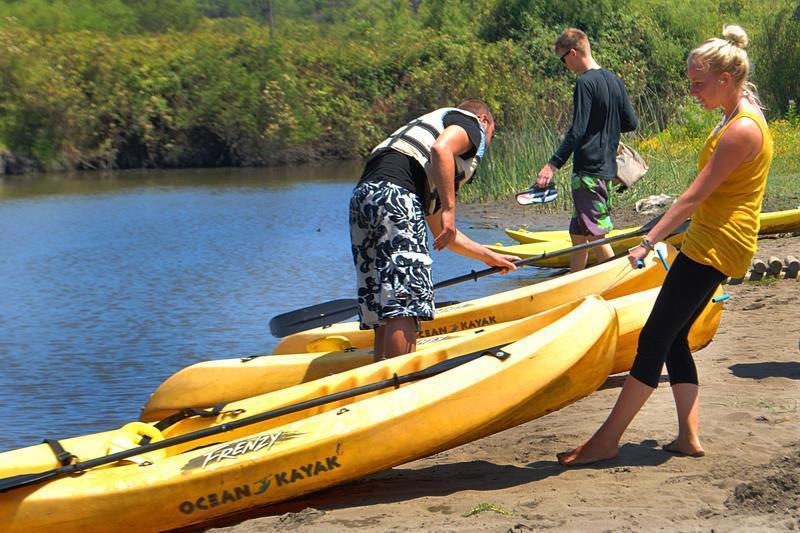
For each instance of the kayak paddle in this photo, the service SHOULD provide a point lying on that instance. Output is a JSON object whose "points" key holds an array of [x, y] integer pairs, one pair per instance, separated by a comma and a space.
{"points": [[337, 310]]}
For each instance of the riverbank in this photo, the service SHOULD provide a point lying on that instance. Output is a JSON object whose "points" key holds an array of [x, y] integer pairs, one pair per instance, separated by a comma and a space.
{"points": [[750, 421]]}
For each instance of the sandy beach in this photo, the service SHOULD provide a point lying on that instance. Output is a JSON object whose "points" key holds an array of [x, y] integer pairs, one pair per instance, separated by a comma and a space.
{"points": [[750, 428]]}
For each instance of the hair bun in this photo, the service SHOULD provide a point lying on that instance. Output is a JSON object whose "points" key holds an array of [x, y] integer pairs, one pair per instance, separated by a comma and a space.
{"points": [[735, 35]]}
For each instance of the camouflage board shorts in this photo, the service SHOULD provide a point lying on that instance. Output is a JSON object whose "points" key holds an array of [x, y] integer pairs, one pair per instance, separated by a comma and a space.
{"points": [[389, 241], [590, 214]]}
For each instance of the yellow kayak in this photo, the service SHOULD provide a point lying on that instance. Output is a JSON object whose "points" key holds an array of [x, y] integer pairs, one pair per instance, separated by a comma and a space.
{"points": [[533, 249], [609, 280], [523, 236], [294, 454], [771, 222], [206, 384], [779, 222]]}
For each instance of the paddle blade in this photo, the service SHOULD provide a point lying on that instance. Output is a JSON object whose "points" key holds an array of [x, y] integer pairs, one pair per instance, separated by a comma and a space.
{"points": [[313, 317]]}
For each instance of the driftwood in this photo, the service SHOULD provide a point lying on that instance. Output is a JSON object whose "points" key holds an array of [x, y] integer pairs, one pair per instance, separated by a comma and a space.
{"points": [[792, 266], [759, 266], [789, 268], [774, 265]]}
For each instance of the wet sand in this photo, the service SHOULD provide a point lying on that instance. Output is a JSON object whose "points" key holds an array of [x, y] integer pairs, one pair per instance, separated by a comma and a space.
{"points": [[750, 428]]}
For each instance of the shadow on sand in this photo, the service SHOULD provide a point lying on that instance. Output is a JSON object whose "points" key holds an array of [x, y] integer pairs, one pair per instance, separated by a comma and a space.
{"points": [[772, 369], [404, 484]]}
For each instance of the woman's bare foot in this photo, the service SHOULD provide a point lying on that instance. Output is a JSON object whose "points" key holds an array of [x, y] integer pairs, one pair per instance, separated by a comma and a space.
{"points": [[691, 449], [586, 454]]}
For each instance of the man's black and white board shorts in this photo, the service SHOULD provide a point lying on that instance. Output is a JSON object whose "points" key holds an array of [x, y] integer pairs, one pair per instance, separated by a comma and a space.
{"points": [[391, 254]]}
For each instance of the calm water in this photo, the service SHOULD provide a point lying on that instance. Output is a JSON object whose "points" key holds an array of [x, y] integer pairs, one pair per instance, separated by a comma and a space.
{"points": [[111, 283]]}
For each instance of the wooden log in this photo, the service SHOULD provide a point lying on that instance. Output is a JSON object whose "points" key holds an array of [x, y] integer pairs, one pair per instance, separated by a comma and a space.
{"points": [[754, 276], [759, 266], [775, 265], [792, 266]]}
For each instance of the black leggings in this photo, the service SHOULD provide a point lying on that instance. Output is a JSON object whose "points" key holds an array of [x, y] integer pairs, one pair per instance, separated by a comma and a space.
{"points": [[686, 291]]}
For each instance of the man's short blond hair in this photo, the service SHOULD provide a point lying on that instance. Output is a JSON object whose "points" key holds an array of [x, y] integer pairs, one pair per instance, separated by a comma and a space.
{"points": [[572, 38]]}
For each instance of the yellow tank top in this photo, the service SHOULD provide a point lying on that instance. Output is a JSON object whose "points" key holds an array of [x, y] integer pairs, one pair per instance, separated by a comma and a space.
{"points": [[724, 227]]}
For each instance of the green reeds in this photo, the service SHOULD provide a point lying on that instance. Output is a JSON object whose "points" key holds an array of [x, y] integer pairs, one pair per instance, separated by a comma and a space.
{"points": [[513, 161]]}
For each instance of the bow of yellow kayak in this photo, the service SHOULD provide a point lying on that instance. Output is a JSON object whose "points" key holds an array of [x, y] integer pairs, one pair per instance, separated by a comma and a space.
{"points": [[289, 456]]}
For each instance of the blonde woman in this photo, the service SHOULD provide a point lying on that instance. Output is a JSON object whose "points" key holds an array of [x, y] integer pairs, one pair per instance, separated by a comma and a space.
{"points": [[724, 202]]}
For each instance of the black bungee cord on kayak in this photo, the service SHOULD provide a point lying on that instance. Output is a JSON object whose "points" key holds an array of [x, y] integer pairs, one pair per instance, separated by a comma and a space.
{"points": [[62, 456], [188, 412], [24, 480]]}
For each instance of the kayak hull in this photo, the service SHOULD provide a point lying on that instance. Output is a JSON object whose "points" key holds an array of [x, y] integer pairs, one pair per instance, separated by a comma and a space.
{"points": [[554, 366], [210, 383], [779, 222], [524, 236]]}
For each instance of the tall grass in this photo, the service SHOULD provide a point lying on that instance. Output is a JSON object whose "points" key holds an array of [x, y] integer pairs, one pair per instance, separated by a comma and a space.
{"points": [[513, 161]]}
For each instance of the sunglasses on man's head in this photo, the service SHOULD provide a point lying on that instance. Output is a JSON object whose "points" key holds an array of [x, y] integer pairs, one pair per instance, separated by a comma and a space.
{"points": [[564, 55]]}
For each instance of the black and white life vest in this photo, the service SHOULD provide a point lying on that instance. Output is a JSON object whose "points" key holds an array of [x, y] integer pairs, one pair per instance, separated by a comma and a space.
{"points": [[415, 140]]}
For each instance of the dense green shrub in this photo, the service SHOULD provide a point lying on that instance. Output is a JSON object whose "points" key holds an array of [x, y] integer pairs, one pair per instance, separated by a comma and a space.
{"points": [[129, 83], [777, 54]]}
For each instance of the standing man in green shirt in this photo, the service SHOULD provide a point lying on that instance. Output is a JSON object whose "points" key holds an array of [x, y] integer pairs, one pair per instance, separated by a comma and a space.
{"points": [[601, 111]]}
